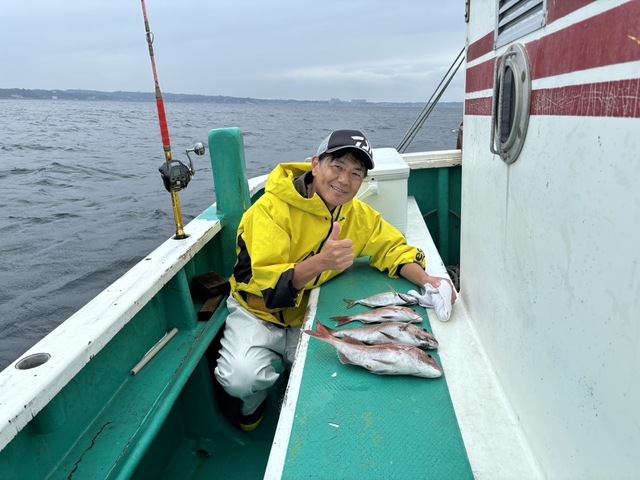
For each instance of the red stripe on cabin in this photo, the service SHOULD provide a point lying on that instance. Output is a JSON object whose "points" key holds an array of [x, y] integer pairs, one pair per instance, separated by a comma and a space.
{"points": [[599, 41], [560, 8], [480, 47], [478, 106], [620, 99], [480, 77]]}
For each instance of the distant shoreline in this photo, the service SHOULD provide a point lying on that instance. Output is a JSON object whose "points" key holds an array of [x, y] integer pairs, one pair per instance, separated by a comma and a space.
{"points": [[94, 95]]}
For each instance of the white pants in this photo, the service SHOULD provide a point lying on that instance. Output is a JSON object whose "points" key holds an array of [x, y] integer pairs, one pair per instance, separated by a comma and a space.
{"points": [[250, 346]]}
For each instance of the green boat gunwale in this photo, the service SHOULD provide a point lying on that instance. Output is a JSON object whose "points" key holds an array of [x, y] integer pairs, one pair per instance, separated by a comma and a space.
{"points": [[24, 393]]}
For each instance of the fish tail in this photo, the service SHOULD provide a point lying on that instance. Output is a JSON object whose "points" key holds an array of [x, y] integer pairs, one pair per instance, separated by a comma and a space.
{"points": [[350, 303], [342, 320], [322, 327], [321, 332]]}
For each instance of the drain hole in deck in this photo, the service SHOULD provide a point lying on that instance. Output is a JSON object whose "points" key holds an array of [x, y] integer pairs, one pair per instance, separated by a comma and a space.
{"points": [[33, 361]]}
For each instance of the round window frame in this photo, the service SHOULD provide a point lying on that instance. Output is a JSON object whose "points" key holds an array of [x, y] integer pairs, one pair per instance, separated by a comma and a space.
{"points": [[514, 62]]}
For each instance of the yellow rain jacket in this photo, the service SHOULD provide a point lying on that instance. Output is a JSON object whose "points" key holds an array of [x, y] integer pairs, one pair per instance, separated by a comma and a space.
{"points": [[284, 227]]}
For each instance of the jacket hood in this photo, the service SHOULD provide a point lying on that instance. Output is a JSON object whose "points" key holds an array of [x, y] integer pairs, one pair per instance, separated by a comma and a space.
{"points": [[280, 183]]}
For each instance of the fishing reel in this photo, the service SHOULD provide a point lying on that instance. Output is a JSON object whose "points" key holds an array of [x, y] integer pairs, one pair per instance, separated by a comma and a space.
{"points": [[175, 174]]}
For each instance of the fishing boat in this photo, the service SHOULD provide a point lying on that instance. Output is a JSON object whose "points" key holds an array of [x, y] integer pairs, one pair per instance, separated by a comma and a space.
{"points": [[538, 208]]}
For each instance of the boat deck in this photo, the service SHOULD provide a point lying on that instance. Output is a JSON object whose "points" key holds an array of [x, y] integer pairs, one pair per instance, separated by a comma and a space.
{"points": [[342, 421], [358, 424], [335, 420]]}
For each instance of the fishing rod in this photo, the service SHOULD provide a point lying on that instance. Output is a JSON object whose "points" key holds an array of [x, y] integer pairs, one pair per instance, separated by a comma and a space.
{"points": [[175, 174]]}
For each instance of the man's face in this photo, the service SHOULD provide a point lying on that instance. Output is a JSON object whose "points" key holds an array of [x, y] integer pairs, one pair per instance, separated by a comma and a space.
{"points": [[337, 180]]}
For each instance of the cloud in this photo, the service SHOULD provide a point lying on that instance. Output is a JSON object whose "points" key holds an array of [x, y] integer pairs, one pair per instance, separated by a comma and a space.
{"points": [[302, 49]]}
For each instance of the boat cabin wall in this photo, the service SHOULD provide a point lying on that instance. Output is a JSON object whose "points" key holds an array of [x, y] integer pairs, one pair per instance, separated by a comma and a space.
{"points": [[549, 247]]}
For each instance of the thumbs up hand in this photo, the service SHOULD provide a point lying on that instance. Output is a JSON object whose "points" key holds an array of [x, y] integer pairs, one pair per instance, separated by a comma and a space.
{"points": [[337, 254], [335, 232]]}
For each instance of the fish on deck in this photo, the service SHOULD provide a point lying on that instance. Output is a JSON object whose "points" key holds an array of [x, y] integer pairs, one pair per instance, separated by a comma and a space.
{"points": [[390, 359], [382, 314], [384, 299], [388, 333]]}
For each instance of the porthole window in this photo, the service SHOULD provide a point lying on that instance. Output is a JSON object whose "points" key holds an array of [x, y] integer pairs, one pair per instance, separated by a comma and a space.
{"points": [[508, 105], [511, 100]]}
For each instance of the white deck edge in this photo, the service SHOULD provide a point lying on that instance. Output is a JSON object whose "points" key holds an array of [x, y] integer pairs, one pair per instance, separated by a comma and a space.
{"points": [[257, 183], [24, 393], [495, 443], [279, 447], [435, 159]]}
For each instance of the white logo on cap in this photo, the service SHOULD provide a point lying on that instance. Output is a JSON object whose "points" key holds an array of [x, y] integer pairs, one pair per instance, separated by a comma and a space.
{"points": [[364, 146]]}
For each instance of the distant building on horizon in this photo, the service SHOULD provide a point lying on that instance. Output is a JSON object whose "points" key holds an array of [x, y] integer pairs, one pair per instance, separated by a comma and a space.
{"points": [[354, 101]]}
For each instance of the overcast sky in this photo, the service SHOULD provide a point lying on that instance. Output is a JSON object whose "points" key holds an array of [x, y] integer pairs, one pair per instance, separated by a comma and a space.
{"points": [[378, 50]]}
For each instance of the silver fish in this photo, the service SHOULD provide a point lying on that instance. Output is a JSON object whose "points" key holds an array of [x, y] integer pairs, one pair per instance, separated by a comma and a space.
{"points": [[391, 359], [382, 314], [384, 300], [390, 332]]}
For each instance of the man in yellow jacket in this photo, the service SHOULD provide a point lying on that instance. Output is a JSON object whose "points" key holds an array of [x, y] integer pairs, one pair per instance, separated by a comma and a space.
{"points": [[306, 229]]}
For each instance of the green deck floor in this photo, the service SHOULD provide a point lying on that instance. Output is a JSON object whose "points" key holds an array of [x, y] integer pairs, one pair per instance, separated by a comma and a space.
{"points": [[350, 423]]}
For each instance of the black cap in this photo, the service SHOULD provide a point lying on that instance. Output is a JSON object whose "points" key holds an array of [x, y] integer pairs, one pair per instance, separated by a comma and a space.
{"points": [[352, 139]]}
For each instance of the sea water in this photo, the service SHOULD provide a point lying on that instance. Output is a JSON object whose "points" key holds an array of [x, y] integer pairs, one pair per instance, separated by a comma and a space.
{"points": [[82, 200]]}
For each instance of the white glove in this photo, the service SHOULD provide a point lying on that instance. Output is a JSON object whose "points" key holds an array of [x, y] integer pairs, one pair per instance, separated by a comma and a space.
{"points": [[437, 298]]}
